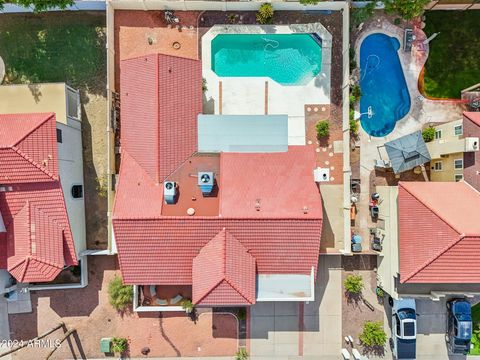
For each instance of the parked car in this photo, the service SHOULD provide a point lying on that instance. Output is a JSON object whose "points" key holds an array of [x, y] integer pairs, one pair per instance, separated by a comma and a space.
{"points": [[404, 329], [459, 326]]}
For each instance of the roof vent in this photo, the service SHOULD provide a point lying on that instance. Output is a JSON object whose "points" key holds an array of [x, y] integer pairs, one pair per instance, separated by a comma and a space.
{"points": [[206, 181], [170, 192], [190, 211]]}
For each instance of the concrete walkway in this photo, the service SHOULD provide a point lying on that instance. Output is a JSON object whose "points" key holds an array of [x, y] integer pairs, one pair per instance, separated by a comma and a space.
{"points": [[287, 331]]}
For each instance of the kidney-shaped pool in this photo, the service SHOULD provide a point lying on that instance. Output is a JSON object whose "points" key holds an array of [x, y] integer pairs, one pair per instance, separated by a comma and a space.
{"points": [[385, 98]]}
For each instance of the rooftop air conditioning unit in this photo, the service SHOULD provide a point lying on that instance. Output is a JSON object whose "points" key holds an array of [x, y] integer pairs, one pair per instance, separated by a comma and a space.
{"points": [[206, 181], [170, 192], [471, 144]]}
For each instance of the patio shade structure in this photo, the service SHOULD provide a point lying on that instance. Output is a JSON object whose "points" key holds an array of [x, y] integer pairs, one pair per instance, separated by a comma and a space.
{"points": [[407, 152]]}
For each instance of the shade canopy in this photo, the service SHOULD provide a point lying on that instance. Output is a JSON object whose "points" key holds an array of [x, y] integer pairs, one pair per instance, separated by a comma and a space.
{"points": [[407, 152]]}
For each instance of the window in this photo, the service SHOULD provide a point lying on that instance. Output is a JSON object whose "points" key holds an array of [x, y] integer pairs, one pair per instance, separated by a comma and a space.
{"points": [[458, 177], [438, 166], [458, 164], [59, 135], [77, 191], [438, 134], [458, 130]]}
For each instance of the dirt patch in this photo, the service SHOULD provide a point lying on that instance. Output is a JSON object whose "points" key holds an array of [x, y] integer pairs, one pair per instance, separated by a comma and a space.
{"points": [[93, 318], [355, 312]]}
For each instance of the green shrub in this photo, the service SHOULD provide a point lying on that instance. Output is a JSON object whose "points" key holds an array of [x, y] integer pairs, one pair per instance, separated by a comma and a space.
{"points": [[356, 91], [187, 305], [119, 345], [353, 62], [309, 2], [406, 9], [428, 134], [352, 99], [353, 284], [265, 14], [40, 5], [397, 21], [120, 295], [373, 334], [353, 126], [323, 128], [360, 15], [241, 354]]}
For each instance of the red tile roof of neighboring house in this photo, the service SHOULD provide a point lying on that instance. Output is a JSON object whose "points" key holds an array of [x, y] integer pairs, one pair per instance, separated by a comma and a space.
{"points": [[38, 242], [162, 94], [160, 249], [277, 185], [223, 273], [439, 232], [473, 116]]}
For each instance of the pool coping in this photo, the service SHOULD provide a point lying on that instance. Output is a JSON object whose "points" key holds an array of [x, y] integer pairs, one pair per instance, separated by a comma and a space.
{"points": [[316, 28]]}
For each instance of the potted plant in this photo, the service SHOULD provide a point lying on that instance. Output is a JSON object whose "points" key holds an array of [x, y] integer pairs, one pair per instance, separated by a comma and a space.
{"points": [[187, 305], [119, 345]]}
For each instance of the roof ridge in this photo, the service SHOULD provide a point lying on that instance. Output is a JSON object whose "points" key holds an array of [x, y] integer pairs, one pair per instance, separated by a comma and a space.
{"points": [[234, 287], [431, 210], [34, 163], [157, 124], [435, 257], [467, 115], [50, 115]]}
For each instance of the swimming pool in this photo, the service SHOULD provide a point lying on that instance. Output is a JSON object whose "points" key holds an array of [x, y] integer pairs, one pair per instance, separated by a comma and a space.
{"points": [[385, 98], [289, 59]]}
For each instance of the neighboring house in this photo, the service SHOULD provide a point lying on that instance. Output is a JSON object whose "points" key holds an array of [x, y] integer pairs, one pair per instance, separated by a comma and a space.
{"points": [[42, 183], [471, 160], [36, 240], [452, 146], [432, 238], [228, 228]]}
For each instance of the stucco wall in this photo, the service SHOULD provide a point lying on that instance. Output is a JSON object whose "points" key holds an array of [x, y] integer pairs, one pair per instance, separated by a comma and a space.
{"points": [[71, 173], [471, 160], [448, 172]]}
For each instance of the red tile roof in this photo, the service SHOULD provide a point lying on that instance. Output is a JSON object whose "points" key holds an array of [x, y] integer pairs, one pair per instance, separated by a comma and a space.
{"points": [[223, 273], [160, 249], [276, 185], [474, 117], [439, 232], [38, 241], [162, 132]]}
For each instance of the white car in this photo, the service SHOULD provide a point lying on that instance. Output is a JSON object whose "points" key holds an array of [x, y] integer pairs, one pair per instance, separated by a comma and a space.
{"points": [[404, 329]]}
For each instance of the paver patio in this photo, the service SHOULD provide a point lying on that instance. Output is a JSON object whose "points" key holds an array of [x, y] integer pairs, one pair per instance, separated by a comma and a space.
{"points": [[88, 311]]}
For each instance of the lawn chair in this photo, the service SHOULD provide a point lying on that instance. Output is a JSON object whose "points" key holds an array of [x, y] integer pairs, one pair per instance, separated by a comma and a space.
{"points": [[176, 299], [161, 302], [356, 354], [153, 291], [345, 354]]}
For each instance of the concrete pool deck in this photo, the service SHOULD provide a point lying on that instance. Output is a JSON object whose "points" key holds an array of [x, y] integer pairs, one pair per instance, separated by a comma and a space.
{"points": [[262, 95], [422, 110]]}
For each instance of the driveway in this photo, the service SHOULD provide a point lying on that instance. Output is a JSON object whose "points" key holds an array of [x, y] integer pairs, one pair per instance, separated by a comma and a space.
{"points": [[431, 329], [290, 330]]}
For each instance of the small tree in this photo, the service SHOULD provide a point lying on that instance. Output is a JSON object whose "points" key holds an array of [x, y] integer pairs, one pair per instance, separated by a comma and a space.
{"points": [[119, 345], [241, 354], [265, 14], [359, 15], [428, 134], [407, 9], [373, 334], [120, 295], [353, 284], [323, 129]]}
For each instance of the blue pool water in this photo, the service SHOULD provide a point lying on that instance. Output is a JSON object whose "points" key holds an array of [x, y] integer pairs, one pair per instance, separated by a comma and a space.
{"points": [[383, 85], [289, 59]]}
